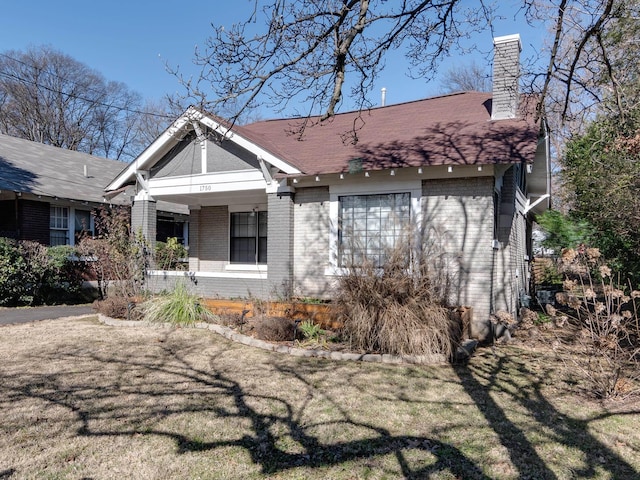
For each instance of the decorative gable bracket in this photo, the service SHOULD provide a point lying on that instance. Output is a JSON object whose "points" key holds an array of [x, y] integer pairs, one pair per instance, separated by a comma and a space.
{"points": [[142, 177], [268, 170], [530, 206]]}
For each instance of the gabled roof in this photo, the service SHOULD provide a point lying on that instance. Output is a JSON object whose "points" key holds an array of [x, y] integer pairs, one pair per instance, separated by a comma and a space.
{"points": [[452, 129], [261, 147], [32, 167]]}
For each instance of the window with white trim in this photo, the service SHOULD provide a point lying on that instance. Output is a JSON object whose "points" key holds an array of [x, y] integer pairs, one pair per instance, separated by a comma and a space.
{"points": [[248, 238], [370, 225], [58, 225]]}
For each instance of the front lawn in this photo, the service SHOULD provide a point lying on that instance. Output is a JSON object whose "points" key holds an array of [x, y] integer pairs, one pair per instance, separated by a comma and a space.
{"points": [[79, 399]]}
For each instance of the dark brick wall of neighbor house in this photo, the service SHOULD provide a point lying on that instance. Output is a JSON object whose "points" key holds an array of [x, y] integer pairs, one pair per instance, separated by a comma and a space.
{"points": [[8, 223], [34, 221]]}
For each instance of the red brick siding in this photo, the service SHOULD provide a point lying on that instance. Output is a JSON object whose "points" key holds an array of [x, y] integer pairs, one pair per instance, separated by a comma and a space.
{"points": [[33, 220]]}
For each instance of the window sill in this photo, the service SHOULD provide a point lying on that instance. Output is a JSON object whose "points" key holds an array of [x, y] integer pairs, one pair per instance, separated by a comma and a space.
{"points": [[245, 267], [336, 271]]}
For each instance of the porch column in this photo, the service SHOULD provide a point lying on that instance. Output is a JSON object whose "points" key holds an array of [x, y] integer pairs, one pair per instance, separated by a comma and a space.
{"points": [[280, 242], [194, 238], [144, 218]]}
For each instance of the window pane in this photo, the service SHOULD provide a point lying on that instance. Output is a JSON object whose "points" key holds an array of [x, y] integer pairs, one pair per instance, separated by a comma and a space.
{"points": [[371, 224], [58, 225], [82, 221], [243, 250], [59, 217], [58, 237], [248, 242]]}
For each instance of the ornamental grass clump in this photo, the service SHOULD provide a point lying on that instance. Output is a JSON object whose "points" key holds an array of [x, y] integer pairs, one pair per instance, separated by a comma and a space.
{"points": [[179, 307], [397, 308]]}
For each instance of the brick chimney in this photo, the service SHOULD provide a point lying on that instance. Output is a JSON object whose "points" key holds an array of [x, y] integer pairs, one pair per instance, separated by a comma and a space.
{"points": [[506, 74]]}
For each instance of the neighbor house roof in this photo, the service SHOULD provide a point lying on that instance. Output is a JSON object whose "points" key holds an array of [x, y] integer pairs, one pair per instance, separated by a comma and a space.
{"points": [[32, 167], [39, 169], [452, 129]]}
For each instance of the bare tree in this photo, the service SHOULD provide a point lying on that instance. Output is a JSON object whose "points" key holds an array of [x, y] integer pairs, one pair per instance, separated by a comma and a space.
{"points": [[314, 54], [48, 97], [588, 59], [157, 116], [467, 78]]}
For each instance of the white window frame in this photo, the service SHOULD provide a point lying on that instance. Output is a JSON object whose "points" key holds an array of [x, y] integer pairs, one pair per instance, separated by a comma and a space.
{"points": [[57, 222], [414, 188], [70, 228], [245, 267]]}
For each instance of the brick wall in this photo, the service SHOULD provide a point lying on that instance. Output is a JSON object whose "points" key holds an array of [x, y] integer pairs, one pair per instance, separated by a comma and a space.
{"points": [[194, 240], [280, 243], [311, 242], [506, 73], [213, 238], [34, 221], [208, 287], [458, 223], [144, 218]]}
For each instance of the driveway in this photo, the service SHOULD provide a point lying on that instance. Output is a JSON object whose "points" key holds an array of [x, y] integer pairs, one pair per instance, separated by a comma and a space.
{"points": [[34, 314]]}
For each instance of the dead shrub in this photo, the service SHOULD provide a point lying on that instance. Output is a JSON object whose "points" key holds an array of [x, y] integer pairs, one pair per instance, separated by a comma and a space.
{"points": [[397, 308], [607, 315], [274, 329], [117, 307]]}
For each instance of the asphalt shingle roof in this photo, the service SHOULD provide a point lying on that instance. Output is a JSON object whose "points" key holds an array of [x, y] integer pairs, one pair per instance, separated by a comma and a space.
{"points": [[31, 167], [39, 169], [452, 129]]}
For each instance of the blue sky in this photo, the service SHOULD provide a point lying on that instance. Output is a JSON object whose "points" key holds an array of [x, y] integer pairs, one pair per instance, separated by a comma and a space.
{"points": [[131, 41]]}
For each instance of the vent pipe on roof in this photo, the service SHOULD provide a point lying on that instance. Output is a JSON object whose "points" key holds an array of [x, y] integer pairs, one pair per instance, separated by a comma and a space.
{"points": [[383, 99], [506, 74], [86, 171]]}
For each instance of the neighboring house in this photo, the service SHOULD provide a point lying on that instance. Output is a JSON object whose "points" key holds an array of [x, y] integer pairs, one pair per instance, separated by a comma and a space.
{"points": [[273, 213], [47, 193]]}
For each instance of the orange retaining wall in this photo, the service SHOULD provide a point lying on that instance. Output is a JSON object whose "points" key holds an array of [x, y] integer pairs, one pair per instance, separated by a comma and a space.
{"points": [[321, 314]]}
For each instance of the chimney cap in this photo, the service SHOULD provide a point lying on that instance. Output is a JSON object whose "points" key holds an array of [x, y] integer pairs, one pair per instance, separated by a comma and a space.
{"points": [[507, 39]]}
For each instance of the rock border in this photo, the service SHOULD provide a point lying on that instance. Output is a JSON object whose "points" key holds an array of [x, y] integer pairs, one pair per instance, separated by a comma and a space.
{"points": [[237, 337]]}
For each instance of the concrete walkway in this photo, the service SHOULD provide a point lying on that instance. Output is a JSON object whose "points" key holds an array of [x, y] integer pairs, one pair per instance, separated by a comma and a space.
{"points": [[34, 314]]}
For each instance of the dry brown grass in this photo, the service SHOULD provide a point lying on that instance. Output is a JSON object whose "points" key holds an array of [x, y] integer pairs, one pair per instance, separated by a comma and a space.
{"points": [[83, 400], [396, 309]]}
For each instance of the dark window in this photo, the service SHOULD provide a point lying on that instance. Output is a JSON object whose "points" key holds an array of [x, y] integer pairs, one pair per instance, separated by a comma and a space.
{"points": [[167, 228], [82, 225], [249, 237]]}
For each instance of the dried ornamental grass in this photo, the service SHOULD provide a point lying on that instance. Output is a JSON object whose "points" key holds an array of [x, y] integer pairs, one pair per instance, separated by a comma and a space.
{"points": [[179, 308], [396, 309]]}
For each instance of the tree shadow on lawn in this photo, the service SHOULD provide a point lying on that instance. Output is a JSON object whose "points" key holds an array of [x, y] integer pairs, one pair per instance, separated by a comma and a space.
{"points": [[224, 398], [181, 387], [484, 382]]}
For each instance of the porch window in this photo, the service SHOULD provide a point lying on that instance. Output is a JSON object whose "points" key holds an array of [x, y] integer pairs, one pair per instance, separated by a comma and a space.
{"points": [[370, 225], [58, 226], [168, 228], [248, 243]]}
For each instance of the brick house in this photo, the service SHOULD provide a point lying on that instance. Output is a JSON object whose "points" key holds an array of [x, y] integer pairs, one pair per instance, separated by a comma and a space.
{"points": [[47, 193], [271, 211]]}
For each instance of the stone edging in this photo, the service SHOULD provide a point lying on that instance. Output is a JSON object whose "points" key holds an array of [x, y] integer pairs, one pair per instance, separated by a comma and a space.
{"points": [[234, 336]]}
